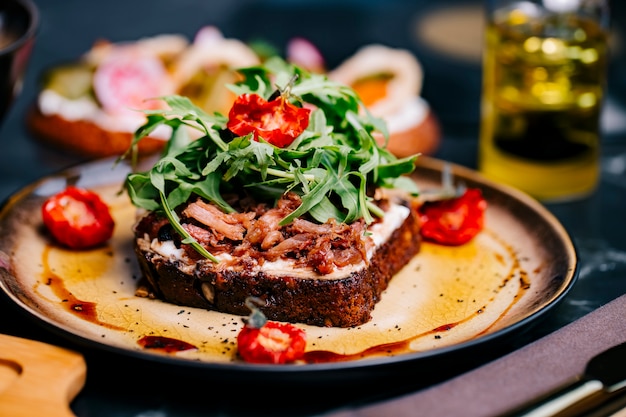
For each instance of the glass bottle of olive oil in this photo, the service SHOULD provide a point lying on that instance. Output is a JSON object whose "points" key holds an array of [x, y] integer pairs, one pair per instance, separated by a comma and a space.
{"points": [[543, 82]]}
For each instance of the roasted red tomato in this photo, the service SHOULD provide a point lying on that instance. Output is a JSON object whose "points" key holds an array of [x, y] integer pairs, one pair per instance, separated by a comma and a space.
{"points": [[274, 342], [78, 218], [278, 121], [453, 221]]}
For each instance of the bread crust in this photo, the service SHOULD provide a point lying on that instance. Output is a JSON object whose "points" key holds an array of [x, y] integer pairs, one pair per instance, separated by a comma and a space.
{"points": [[341, 302], [85, 138]]}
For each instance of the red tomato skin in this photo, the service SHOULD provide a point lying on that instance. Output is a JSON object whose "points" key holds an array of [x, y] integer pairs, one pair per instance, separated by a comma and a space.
{"points": [[77, 218], [278, 121], [455, 221], [256, 345]]}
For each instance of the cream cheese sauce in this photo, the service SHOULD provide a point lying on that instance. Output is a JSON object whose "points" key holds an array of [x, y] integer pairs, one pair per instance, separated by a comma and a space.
{"points": [[410, 115], [52, 103]]}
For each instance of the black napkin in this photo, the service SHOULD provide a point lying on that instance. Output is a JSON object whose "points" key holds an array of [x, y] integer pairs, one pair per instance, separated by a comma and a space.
{"points": [[516, 378]]}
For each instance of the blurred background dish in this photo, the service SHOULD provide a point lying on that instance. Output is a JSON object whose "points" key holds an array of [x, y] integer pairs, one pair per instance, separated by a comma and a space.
{"points": [[91, 106]]}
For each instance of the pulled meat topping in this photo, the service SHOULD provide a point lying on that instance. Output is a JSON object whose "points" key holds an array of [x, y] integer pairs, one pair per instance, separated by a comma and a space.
{"points": [[255, 236]]}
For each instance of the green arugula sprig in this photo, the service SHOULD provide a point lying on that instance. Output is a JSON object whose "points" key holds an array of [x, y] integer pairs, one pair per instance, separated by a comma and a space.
{"points": [[331, 165]]}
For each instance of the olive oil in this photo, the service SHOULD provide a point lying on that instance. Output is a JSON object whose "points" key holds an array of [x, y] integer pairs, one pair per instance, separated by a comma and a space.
{"points": [[543, 84]]}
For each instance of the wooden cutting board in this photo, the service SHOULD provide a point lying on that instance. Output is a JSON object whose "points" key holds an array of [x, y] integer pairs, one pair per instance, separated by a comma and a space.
{"points": [[38, 379]]}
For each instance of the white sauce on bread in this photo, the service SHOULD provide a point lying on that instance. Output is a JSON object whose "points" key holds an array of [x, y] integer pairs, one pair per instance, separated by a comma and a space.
{"points": [[410, 115], [85, 109]]}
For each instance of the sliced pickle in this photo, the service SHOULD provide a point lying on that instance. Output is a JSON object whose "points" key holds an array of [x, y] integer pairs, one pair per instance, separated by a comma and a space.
{"points": [[70, 80], [207, 89]]}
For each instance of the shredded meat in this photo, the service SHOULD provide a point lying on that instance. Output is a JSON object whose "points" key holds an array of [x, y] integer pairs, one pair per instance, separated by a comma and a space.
{"points": [[257, 235], [265, 225], [293, 245], [228, 225]]}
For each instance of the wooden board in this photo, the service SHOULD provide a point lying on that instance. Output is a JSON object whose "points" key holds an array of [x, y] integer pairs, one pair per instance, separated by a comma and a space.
{"points": [[38, 379]]}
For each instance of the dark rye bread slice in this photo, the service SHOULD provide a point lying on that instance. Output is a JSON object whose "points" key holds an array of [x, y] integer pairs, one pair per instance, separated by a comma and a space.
{"points": [[344, 301]]}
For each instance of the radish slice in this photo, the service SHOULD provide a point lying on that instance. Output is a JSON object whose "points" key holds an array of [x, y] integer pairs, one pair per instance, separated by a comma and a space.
{"points": [[303, 53], [128, 80]]}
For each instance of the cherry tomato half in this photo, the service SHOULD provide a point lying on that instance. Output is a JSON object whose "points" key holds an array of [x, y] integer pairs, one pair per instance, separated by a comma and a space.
{"points": [[78, 218], [453, 221], [278, 121], [274, 343]]}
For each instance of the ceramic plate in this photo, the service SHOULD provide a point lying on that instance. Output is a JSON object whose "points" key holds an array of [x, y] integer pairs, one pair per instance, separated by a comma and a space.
{"points": [[446, 301]]}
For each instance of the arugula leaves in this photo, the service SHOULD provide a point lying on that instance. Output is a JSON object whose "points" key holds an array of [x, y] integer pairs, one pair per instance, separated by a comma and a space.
{"points": [[332, 165]]}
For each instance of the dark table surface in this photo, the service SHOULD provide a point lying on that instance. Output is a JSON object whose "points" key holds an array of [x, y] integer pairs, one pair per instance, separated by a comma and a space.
{"points": [[118, 387]]}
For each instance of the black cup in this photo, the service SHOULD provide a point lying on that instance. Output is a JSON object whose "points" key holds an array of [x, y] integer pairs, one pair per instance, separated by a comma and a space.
{"points": [[19, 21]]}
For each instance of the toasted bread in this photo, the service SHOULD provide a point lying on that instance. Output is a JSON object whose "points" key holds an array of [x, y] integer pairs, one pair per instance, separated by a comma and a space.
{"points": [[292, 292]]}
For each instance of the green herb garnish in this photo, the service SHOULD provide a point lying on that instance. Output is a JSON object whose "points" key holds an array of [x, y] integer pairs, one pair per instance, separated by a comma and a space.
{"points": [[332, 165]]}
